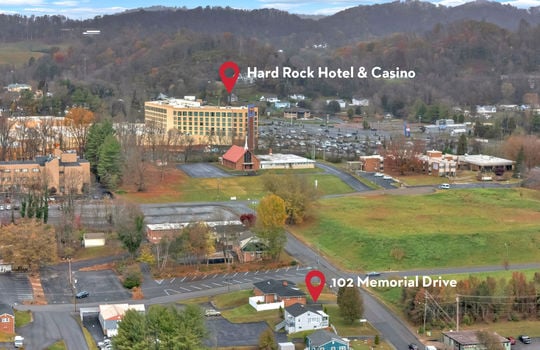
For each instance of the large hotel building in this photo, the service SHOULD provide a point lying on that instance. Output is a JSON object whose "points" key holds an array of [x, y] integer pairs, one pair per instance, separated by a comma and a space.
{"points": [[206, 124]]}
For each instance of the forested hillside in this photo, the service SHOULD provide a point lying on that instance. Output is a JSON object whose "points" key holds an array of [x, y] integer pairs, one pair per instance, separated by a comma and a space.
{"points": [[176, 52]]}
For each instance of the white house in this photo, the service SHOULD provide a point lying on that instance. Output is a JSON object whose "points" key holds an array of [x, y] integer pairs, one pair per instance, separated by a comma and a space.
{"points": [[486, 109], [358, 101], [342, 103], [299, 317]]}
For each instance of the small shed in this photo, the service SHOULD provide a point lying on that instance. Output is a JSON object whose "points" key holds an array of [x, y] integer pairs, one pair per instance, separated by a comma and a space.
{"points": [[286, 346], [94, 239]]}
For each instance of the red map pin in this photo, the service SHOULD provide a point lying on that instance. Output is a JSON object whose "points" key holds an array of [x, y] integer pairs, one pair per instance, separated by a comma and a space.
{"points": [[315, 291], [229, 82]]}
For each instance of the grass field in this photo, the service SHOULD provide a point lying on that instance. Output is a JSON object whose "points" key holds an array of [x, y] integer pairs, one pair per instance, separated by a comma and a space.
{"points": [[18, 54], [448, 228], [176, 187]]}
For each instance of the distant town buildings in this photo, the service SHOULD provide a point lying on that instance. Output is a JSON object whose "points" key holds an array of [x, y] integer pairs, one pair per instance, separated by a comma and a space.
{"points": [[205, 124]]}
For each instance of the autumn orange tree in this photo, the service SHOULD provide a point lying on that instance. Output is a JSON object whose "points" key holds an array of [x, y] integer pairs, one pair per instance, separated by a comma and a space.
{"points": [[28, 245], [78, 121], [270, 226]]}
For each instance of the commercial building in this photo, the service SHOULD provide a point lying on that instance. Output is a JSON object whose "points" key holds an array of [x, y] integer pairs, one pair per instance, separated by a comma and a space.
{"points": [[62, 172], [206, 124], [112, 314], [468, 340]]}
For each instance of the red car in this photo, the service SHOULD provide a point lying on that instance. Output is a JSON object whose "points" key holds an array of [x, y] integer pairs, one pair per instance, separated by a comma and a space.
{"points": [[512, 340]]}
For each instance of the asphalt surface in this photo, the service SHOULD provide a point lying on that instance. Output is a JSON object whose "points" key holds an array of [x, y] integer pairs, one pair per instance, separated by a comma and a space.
{"points": [[51, 326], [350, 180], [15, 288], [202, 170], [245, 334]]}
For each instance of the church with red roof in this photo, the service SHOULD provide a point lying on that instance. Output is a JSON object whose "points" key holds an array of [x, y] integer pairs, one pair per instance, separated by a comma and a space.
{"points": [[240, 158]]}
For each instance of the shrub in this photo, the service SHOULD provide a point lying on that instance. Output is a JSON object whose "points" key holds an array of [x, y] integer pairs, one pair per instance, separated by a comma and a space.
{"points": [[132, 279]]}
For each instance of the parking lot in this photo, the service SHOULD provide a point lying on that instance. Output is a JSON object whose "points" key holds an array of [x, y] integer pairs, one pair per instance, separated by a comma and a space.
{"points": [[15, 288], [103, 286], [226, 334], [202, 170]]}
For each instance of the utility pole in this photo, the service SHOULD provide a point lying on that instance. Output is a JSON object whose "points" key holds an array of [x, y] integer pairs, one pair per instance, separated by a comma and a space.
{"points": [[457, 313], [425, 310]]}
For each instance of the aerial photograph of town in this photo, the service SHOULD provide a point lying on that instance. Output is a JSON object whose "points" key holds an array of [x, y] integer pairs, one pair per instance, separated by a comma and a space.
{"points": [[270, 175]]}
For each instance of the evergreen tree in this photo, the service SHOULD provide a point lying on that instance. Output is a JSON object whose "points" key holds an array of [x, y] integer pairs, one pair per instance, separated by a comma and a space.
{"points": [[96, 137], [462, 144], [109, 168], [519, 167]]}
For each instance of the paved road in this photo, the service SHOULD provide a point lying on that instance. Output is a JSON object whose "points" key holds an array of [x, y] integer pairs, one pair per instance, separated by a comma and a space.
{"points": [[345, 177], [50, 326], [391, 328]]}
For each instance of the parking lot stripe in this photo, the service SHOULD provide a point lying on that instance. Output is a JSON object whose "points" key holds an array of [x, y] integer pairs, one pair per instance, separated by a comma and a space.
{"points": [[235, 274], [258, 278], [237, 281], [225, 275], [187, 290], [215, 275], [159, 281], [246, 273], [227, 282], [194, 277], [173, 279], [206, 286], [205, 276], [198, 288], [256, 272], [216, 284]]}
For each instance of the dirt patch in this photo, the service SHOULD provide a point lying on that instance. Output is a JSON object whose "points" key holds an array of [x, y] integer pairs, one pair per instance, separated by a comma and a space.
{"points": [[37, 290], [159, 181], [202, 270], [100, 267]]}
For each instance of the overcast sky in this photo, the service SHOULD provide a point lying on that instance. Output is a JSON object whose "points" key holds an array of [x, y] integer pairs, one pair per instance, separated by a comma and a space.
{"points": [[82, 9]]}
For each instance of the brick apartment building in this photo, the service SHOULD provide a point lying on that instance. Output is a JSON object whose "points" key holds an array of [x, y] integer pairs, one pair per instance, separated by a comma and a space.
{"points": [[61, 171]]}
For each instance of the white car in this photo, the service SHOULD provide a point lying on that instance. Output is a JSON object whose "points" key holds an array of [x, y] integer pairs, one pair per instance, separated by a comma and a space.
{"points": [[444, 186], [212, 312], [378, 174], [387, 177]]}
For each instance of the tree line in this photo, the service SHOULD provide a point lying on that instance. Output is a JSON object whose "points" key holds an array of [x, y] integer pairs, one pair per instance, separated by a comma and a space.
{"points": [[480, 300]]}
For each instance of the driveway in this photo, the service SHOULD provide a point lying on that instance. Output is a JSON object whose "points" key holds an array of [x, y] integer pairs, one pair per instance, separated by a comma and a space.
{"points": [[379, 180], [202, 170]]}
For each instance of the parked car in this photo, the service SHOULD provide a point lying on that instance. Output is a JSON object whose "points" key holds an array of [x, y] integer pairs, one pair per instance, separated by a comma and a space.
{"points": [[373, 274], [525, 339], [378, 174], [413, 346], [444, 186], [512, 340], [387, 177], [82, 294], [212, 312]]}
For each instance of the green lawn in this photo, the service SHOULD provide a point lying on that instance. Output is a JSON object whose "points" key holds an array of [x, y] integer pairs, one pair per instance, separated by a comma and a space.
{"points": [[233, 299], [345, 329], [447, 228], [246, 313], [59, 345], [22, 318]]}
